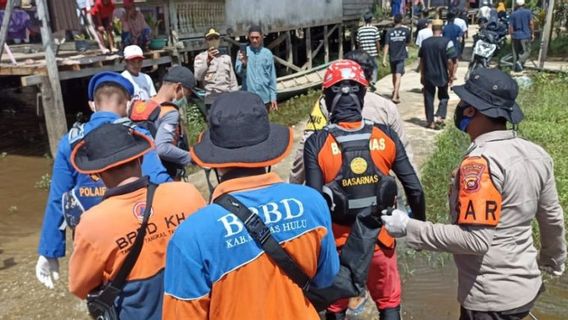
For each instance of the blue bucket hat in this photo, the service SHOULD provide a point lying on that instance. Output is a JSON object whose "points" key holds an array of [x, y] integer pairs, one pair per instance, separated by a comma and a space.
{"points": [[109, 77]]}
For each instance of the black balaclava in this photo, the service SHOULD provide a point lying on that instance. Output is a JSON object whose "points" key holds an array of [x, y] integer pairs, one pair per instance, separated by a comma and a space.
{"points": [[344, 101]]}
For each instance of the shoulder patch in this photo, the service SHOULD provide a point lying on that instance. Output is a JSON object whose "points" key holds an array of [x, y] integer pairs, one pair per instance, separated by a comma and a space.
{"points": [[479, 201], [470, 174], [76, 133]]}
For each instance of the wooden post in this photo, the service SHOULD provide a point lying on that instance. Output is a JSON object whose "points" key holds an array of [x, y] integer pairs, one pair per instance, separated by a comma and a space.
{"points": [[289, 53], [173, 16], [340, 36], [308, 36], [325, 45], [51, 87], [546, 35], [5, 24]]}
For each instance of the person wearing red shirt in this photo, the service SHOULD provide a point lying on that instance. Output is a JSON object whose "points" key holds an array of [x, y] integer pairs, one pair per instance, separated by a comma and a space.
{"points": [[102, 16]]}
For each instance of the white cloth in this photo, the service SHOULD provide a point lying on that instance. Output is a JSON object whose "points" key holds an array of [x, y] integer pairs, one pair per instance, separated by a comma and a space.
{"points": [[423, 35], [461, 23], [395, 223], [553, 272], [143, 85], [47, 271], [484, 12]]}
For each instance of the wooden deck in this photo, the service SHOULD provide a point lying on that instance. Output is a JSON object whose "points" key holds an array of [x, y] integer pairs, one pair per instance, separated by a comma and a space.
{"points": [[31, 67]]}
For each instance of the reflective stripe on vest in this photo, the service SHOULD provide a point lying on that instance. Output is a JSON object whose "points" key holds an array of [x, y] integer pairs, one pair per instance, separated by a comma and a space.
{"points": [[362, 202], [353, 137]]}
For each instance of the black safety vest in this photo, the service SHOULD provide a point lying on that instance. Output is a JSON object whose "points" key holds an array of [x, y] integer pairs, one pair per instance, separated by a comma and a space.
{"points": [[358, 177]]}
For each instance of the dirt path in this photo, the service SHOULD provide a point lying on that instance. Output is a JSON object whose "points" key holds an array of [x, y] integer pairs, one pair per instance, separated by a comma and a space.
{"points": [[22, 297]]}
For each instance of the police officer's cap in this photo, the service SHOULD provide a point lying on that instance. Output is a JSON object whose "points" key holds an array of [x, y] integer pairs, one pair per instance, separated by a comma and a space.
{"points": [[109, 77], [493, 93]]}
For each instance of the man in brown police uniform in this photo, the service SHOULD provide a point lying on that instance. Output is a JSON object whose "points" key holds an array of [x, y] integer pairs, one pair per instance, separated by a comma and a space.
{"points": [[502, 184]]}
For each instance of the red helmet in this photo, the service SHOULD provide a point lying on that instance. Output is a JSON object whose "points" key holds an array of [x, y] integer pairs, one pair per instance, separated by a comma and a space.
{"points": [[344, 70]]}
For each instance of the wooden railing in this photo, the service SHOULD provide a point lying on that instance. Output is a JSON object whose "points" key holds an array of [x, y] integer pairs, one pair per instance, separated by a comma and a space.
{"points": [[194, 17]]}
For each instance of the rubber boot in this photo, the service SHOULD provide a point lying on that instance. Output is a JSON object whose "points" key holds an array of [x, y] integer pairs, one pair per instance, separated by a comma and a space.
{"points": [[334, 316], [390, 313]]}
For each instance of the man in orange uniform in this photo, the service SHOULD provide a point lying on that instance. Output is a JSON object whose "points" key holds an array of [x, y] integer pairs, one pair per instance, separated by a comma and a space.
{"points": [[107, 231], [348, 158]]}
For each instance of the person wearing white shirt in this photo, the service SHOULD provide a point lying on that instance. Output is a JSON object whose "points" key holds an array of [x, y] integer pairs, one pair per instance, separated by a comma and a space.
{"points": [[424, 34], [460, 23], [143, 85], [484, 11]]}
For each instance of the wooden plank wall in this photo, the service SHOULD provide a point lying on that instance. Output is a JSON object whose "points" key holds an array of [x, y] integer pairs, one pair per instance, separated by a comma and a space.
{"points": [[354, 9]]}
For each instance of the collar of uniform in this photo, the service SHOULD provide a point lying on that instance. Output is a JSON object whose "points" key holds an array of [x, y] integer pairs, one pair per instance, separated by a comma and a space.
{"points": [[104, 115], [246, 183], [126, 188], [495, 136]]}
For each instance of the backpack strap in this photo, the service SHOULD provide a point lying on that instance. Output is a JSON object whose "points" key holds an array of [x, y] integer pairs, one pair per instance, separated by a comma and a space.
{"points": [[264, 238], [120, 280]]}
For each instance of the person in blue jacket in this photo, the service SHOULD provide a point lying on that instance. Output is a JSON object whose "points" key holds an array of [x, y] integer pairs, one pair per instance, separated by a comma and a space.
{"points": [[72, 193]]}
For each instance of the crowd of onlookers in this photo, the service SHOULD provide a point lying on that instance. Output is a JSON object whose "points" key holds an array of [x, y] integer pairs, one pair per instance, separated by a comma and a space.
{"points": [[98, 19]]}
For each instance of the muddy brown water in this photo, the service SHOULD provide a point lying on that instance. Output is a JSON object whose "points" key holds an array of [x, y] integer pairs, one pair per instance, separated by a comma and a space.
{"points": [[429, 290]]}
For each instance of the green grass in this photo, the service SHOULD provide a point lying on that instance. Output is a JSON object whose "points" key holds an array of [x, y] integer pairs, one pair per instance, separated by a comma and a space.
{"points": [[558, 46], [295, 109], [545, 123]]}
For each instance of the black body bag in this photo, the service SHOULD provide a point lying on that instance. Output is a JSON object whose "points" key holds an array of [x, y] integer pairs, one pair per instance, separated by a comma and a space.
{"points": [[100, 302], [355, 256]]}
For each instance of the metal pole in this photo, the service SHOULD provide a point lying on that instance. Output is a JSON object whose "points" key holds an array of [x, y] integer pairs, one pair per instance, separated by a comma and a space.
{"points": [[5, 24], [546, 35], [51, 89]]}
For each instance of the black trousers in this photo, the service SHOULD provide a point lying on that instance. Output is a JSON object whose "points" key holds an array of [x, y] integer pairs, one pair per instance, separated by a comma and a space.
{"points": [[429, 92], [513, 314], [466, 314]]}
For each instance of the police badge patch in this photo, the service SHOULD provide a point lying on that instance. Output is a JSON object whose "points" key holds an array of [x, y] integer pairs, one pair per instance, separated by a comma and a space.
{"points": [[471, 176]]}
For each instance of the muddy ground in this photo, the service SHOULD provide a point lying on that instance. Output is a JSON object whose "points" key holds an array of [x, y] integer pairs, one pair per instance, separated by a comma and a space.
{"points": [[428, 291]]}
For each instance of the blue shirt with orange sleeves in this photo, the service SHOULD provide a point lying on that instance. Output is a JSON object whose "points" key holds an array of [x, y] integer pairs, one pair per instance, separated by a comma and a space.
{"points": [[107, 231], [215, 270], [64, 178]]}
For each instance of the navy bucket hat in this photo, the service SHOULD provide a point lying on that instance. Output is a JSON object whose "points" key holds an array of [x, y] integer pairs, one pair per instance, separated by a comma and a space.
{"points": [[493, 93], [240, 135], [109, 146]]}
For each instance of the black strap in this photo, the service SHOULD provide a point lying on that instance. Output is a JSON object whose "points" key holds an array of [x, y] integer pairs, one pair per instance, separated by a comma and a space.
{"points": [[119, 281], [264, 238]]}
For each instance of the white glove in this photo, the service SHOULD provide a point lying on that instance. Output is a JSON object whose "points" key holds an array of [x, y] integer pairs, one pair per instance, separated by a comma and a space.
{"points": [[551, 271], [47, 271], [396, 222]]}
